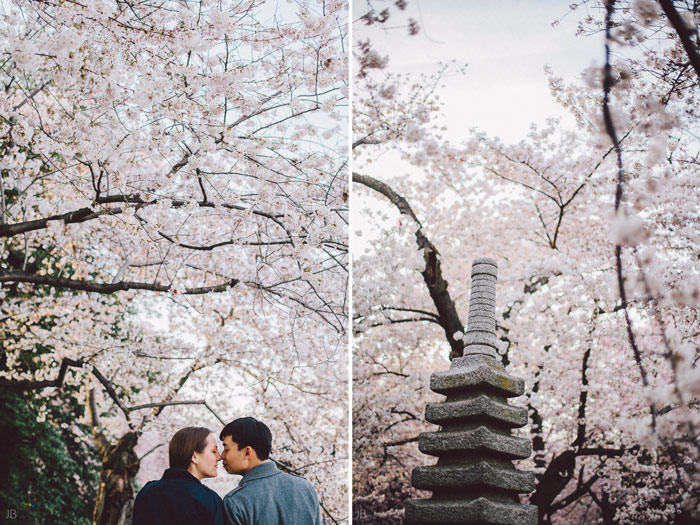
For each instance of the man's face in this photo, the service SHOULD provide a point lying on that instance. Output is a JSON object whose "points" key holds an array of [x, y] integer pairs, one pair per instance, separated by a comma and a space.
{"points": [[235, 461]]}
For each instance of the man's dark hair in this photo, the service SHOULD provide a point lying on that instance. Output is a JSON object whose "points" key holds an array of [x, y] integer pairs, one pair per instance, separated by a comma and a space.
{"points": [[249, 432], [186, 442]]}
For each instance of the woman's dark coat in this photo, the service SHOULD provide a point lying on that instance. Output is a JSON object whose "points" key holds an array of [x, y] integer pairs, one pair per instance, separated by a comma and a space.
{"points": [[178, 498]]}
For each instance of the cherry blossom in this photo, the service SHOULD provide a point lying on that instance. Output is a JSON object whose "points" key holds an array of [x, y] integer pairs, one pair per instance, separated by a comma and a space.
{"points": [[174, 222]]}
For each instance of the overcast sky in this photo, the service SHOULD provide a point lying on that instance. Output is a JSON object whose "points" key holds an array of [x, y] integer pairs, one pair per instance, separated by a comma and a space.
{"points": [[506, 45]]}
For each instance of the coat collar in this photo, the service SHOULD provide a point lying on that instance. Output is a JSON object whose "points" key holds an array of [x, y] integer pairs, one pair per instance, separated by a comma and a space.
{"points": [[264, 470], [178, 473]]}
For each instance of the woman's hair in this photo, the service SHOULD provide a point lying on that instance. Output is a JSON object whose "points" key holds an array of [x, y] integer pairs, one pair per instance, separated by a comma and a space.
{"points": [[186, 442]]}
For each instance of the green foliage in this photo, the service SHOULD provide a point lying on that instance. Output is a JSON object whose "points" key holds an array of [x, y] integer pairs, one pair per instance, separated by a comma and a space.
{"points": [[49, 467], [48, 473]]}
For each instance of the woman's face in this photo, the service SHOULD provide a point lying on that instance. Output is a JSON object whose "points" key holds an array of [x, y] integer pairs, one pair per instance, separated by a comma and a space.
{"points": [[204, 462]]}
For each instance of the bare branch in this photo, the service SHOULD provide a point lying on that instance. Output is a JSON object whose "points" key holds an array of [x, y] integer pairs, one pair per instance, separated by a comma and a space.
{"points": [[398, 321], [365, 140], [87, 214], [31, 95], [575, 495], [152, 450], [174, 403], [106, 288], [112, 393], [400, 442], [77, 216], [684, 33]]}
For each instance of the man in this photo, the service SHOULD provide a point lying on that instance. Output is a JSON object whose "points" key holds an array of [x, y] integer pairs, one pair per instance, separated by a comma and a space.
{"points": [[265, 495]]}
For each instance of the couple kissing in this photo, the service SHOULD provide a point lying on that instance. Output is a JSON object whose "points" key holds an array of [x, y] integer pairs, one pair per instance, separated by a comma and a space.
{"points": [[264, 496]]}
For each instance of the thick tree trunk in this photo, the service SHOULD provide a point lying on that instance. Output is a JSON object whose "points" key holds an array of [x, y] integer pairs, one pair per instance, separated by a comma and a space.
{"points": [[115, 496]]}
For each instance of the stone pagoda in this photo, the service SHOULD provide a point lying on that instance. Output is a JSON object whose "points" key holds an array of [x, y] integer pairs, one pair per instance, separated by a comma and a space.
{"points": [[474, 480]]}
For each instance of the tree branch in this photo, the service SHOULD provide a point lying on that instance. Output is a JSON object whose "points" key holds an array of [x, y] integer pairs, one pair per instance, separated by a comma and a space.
{"points": [[210, 247], [684, 33], [398, 321], [58, 382], [17, 276], [174, 403], [610, 129], [411, 310], [112, 393], [365, 140], [33, 385], [87, 214], [583, 394], [152, 450], [601, 451], [100, 440], [432, 275], [31, 95], [81, 215], [400, 442], [575, 495]]}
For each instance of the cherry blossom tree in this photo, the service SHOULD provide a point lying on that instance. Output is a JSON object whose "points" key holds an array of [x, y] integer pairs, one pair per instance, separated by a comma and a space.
{"points": [[173, 224], [597, 297]]}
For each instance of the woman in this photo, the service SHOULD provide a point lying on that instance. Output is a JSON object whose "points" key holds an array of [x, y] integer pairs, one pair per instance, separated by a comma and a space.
{"points": [[179, 498]]}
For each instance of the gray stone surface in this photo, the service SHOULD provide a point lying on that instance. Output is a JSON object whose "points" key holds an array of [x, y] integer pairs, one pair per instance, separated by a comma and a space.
{"points": [[479, 510], [478, 439], [485, 260], [488, 373], [482, 290], [477, 475], [474, 323], [486, 286], [480, 319], [478, 337], [481, 316], [481, 268], [483, 283], [482, 326], [484, 299], [484, 311], [477, 349], [482, 302], [481, 406]]}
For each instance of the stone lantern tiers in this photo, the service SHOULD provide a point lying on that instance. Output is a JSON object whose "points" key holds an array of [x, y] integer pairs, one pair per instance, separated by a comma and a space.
{"points": [[474, 480]]}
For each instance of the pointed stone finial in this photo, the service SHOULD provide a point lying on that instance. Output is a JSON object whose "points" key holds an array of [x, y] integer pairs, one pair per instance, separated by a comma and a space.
{"points": [[481, 324]]}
